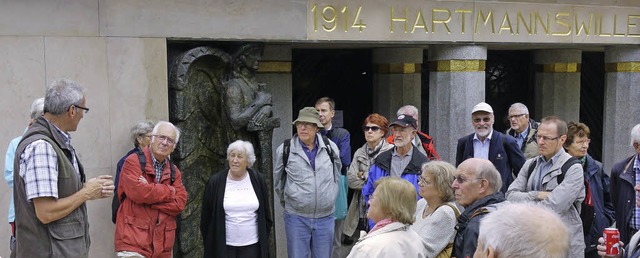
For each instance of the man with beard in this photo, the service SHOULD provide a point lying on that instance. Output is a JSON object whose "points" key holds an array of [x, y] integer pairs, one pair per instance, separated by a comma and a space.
{"points": [[402, 161], [501, 149]]}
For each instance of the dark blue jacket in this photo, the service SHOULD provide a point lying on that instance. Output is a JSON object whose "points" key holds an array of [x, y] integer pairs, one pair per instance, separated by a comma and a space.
{"points": [[504, 153], [623, 196], [468, 227], [599, 185], [342, 138], [382, 167]]}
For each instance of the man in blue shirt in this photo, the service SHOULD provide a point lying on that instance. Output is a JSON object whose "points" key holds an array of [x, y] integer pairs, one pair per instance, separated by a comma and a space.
{"points": [[37, 108], [524, 129]]}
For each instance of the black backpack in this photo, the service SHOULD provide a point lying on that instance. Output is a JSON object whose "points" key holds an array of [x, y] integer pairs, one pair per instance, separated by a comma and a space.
{"points": [[285, 155], [115, 203]]}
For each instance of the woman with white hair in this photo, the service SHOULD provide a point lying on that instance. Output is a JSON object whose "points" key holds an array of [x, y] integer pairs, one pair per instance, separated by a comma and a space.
{"points": [[391, 207], [235, 219]]}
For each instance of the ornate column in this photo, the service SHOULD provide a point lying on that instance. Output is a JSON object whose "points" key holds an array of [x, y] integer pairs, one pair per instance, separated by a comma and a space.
{"points": [[397, 79], [456, 84], [275, 71], [558, 83], [621, 103]]}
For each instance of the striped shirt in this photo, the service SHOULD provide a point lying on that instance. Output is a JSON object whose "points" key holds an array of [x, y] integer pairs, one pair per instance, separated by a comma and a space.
{"points": [[39, 167]]}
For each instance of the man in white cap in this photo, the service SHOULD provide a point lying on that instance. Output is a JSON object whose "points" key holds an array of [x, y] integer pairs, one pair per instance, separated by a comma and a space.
{"points": [[306, 182], [485, 143]]}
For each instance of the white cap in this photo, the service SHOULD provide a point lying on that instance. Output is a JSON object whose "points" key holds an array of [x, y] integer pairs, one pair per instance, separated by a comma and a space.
{"points": [[482, 106]]}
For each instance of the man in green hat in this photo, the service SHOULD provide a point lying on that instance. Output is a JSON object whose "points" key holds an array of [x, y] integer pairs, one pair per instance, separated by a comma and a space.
{"points": [[306, 181]]}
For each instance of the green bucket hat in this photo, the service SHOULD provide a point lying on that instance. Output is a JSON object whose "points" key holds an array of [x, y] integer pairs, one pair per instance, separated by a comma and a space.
{"points": [[309, 115]]}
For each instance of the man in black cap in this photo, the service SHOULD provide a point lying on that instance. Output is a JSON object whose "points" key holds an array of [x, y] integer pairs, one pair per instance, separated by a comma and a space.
{"points": [[403, 160]]}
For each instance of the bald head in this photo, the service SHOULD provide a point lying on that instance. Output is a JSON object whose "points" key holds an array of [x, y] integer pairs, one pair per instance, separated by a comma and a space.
{"points": [[522, 230], [475, 179]]}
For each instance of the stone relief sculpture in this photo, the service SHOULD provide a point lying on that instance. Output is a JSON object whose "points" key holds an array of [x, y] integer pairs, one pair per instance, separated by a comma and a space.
{"points": [[215, 99]]}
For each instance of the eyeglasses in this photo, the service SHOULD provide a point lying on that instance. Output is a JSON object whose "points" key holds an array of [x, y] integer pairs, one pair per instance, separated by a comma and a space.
{"points": [[546, 138], [372, 128], [400, 129], [423, 180], [164, 138], [515, 116], [479, 119], [460, 179], [86, 110], [583, 142]]}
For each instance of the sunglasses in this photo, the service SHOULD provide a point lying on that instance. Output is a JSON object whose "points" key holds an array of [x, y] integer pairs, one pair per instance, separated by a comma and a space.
{"points": [[372, 128]]}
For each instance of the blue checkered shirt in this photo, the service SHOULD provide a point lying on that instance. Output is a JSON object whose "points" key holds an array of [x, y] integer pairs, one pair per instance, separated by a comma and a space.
{"points": [[635, 220], [158, 167], [39, 167]]}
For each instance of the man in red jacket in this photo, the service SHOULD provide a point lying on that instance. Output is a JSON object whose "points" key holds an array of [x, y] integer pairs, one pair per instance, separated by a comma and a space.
{"points": [[150, 200], [422, 141]]}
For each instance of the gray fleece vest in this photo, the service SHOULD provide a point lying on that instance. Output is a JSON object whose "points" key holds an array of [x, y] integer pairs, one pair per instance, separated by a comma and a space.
{"points": [[66, 237]]}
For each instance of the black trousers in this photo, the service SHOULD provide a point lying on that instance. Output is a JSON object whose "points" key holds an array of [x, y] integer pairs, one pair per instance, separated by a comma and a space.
{"points": [[247, 251]]}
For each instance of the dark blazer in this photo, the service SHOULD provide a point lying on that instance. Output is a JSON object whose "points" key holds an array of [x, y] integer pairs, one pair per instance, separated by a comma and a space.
{"points": [[212, 223], [599, 185], [504, 153], [623, 196]]}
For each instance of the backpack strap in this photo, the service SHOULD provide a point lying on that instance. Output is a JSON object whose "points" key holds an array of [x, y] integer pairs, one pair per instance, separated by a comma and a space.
{"points": [[532, 166], [567, 164], [455, 210], [143, 163]]}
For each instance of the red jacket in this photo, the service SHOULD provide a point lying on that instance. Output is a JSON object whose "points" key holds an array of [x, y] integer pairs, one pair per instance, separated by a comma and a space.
{"points": [[427, 144], [146, 221]]}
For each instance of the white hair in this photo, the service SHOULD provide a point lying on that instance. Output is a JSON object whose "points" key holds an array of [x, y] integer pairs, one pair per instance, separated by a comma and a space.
{"points": [[524, 230], [62, 94], [244, 147], [37, 108], [635, 134], [161, 123], [519, 106]]}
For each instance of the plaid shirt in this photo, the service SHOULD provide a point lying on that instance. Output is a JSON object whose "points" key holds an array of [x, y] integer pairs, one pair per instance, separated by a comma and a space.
{"points": [[39, 167], [158, 167]]}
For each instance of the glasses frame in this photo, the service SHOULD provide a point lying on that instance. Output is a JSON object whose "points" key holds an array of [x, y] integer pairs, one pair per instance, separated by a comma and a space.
{"points": [[370, 128], [546, 138], [86, 110], [166, 139], [461, 180], [515, 116]]}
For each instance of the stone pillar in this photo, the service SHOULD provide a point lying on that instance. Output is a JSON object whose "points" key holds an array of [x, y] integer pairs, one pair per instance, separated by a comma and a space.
{"points": [[396, 81], [456, 84], [621, 103], [275, 71], [558, 83]]}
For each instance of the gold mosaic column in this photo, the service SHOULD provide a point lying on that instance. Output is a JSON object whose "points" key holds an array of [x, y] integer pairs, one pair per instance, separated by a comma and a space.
{"points": [[621, 102], [557, 83], [456, 84], [397, 79]]}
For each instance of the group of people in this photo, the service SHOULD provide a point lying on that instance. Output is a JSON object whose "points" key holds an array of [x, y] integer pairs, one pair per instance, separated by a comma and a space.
{"points": [[533, 191]]}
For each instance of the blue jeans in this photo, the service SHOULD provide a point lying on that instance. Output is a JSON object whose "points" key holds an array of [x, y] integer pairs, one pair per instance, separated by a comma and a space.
{"points": [[309, 235]]}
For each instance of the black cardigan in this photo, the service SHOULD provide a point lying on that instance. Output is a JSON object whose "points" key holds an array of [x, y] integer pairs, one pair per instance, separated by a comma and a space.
{"points": [[212, 222]]}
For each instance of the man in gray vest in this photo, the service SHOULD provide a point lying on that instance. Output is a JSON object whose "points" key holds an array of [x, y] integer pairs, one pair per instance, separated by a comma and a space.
{"points": [[50, 186], [524, 129]]}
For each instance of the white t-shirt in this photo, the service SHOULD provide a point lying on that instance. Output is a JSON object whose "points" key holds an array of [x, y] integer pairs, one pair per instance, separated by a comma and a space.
{"points": [[240, 212]]}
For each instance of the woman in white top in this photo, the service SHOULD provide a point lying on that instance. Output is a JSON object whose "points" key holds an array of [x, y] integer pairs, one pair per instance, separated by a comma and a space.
{"points": [[235, 219], [436, 214]]}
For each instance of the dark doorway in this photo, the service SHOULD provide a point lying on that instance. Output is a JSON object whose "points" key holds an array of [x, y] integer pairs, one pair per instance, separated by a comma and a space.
{"points": [[345, 75], [592, 99], [509, 79]]}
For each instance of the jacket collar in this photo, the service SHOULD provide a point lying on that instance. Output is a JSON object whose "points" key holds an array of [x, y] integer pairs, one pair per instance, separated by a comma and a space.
{"points": [[493, 198]]}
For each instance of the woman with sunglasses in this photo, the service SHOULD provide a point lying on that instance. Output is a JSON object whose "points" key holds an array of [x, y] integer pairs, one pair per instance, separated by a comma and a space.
{"points": [[375, 129], [436, 214]]}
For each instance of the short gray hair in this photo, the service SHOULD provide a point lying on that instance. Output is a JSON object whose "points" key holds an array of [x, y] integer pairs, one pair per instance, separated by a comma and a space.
{"points": [[37, 108], [160, 123], [524, 230], [635, 134], [140, 129], [519, 106], [408, 110], [62, 94], [486, 170], [244, 147]]}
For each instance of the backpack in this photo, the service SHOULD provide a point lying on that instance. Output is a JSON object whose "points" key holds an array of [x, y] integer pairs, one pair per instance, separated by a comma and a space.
{"points": [[587, 211], [286, 149], [115, 203]]}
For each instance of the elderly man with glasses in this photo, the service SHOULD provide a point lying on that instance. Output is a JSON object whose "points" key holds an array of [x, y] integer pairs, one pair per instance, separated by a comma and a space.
{"points": [[50, 184], [554, 179], [476, 185], [524, 129], [150, 198], [486, 143], [404, 160]]}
